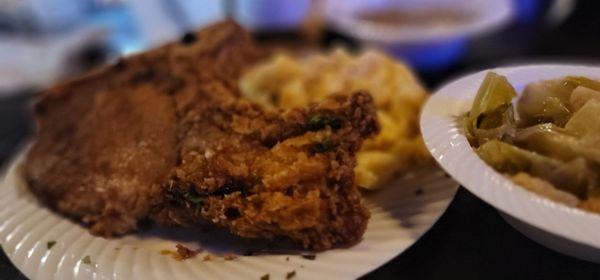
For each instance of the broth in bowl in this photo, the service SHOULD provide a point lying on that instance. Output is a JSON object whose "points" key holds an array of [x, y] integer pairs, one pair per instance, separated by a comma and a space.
{"points": [[396, 17]]}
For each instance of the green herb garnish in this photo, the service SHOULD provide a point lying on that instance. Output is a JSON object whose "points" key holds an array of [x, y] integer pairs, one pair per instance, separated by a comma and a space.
{"points": [[196, 199], [86, 260], [323, 146], [50, 244], [317, 122]]}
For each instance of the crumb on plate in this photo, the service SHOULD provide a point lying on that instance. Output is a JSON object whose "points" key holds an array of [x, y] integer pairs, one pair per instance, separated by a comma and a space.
{"points": [[309, 256], [229, 257]]}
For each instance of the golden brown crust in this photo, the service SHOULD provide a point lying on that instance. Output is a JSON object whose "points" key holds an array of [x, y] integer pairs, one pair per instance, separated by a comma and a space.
{"points": [[165, 136], [266, 175], [91, 165], [107, 140]]}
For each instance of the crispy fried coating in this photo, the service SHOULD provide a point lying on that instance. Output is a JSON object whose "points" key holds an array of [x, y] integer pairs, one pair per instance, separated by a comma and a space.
{"points": [[265, 175], [165, 136]]}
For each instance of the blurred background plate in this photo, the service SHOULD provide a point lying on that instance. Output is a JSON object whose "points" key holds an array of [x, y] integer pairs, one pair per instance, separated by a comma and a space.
{"points": [[429, 34], [44, 41]]}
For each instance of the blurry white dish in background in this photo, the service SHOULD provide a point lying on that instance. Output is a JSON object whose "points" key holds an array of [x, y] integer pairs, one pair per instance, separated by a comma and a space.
{"points": [[46, 15], [428, 42], [154, 23], [482, 16], [271, 15], [29, 63], [161, 19], [569, 230]]}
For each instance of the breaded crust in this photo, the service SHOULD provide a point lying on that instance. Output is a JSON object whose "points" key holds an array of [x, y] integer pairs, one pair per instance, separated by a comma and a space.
{"points": [[165, 136], [264, 174]]}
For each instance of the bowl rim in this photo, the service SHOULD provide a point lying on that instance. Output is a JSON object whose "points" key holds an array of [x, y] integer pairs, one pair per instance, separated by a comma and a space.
{"points": [[452, 151], [490, 15]]}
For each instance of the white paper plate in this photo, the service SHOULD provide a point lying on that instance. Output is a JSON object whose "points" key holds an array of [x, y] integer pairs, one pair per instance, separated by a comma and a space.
{"points": [[399, 216], [566, 229]]}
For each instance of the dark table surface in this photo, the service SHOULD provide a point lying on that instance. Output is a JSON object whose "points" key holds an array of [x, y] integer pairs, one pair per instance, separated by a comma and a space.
{"points": [[471, 240]]}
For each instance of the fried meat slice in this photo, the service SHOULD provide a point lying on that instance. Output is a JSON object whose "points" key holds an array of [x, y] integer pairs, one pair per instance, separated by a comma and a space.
{"points": [[266, 175], [165, 136], [107, 142]]}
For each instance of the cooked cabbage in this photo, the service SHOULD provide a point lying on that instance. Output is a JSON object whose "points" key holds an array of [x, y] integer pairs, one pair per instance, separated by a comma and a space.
{"points": [[545, 101], [586, 122], [491, 116], [573, 176], [544, 188], [553, 142], [582, 95]]}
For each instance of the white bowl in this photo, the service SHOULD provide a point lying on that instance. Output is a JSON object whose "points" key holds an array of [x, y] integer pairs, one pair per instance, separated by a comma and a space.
{"points": [[566, 229], [272, 15], [486, 16], [426, 47]]}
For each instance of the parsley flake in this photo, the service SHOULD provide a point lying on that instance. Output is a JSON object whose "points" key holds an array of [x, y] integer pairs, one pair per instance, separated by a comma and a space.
{"points": [[318, 122], [323, 146], [86, 260]]}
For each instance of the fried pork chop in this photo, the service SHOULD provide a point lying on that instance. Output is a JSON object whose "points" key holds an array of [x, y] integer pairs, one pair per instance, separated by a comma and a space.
{"points": [[165, 136]]}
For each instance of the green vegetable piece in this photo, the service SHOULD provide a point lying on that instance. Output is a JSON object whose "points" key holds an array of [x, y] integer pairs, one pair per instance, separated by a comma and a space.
{"points": [[546, 101], [547, 139], [556, 110], [196, 199], [191, 197], [582, 95], [586, 121], [583, 81], [573, 176], [510, 159], [318, 122], [50, 244], [556, 142], [493, 98], [491, 115]]}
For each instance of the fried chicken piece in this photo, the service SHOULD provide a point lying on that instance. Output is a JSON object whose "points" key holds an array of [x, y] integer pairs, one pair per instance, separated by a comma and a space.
{"points": [[102, 158], [165, 136], [266, 175], [107, 142]]}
